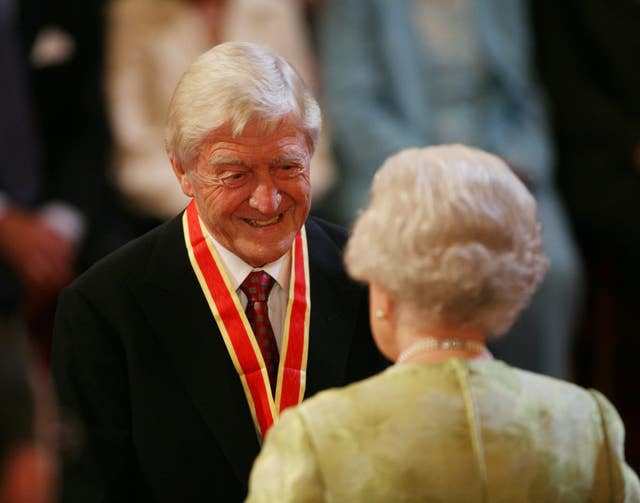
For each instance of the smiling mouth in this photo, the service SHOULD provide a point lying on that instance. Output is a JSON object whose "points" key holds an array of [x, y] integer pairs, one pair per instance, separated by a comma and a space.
{"points": [[263, 223]]}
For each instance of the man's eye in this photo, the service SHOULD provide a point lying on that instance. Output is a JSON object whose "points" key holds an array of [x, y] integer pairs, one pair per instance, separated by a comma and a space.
{"points": [[234, 179], [288, 170]]}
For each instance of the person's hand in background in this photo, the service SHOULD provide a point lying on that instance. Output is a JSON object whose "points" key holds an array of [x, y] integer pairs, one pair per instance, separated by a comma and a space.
{"points": [[42, 259]]}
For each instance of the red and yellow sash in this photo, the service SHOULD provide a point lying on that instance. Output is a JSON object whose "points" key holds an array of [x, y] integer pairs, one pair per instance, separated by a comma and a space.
{"points": [[236, 331]]}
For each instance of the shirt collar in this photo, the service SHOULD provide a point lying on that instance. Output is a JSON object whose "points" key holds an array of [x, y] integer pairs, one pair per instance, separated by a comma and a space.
{"points": [[238, 269]]}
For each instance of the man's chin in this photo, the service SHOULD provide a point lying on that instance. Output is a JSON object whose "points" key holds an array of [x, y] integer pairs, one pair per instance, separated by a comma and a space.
{"points": [[263, 253]]}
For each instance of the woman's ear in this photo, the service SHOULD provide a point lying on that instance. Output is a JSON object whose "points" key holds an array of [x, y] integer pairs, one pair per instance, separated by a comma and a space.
{"points": [[381, 302], [381, 311], [183, 177]]}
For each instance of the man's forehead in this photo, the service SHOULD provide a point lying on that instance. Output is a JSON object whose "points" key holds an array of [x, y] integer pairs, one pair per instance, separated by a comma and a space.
{"points": [[281, 143], [259, 128], [224, 157], [272, 148]]}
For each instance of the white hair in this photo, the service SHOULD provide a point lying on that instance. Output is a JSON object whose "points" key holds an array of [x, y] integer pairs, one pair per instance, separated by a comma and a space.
{"points": [[452, 235], [231, 84]]}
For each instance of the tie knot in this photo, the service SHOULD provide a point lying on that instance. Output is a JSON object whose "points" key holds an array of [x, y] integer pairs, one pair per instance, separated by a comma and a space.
{"points": [[257, 286]]}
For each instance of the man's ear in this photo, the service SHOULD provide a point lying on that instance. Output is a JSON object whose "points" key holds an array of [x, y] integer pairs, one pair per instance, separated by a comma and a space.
{"points": [[183, 177]]}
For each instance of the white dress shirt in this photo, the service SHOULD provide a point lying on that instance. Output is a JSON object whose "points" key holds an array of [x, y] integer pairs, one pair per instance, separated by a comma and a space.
{"points": [[280, 270]]}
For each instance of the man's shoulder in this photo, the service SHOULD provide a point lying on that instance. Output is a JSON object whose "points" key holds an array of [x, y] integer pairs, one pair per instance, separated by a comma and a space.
{"points": [[130, 261], [324, 231], [326, 242]]}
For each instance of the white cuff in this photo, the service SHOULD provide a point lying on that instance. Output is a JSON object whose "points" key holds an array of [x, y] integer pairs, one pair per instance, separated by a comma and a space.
{"points": [[64, 219]]}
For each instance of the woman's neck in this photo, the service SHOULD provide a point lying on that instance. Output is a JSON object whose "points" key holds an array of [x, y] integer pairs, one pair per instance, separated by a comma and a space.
{"points": [[440, 343]]}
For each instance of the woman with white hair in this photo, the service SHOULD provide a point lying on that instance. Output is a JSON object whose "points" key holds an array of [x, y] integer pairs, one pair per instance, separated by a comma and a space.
{"points": [[451, 249]]}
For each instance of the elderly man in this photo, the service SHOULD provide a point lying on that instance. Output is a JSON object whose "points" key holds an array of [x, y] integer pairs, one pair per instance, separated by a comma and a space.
{"points": [[179, 351]]}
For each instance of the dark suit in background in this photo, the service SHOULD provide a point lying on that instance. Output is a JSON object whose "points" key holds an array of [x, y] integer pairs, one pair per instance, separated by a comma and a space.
{"points": [[53, 144], [588, 55]]}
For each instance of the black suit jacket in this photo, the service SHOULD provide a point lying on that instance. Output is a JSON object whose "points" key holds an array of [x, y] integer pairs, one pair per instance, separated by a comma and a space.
{"points": [[139, 360]]}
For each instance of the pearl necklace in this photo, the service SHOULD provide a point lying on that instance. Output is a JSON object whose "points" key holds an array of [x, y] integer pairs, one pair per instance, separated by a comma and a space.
{"points": [[426, 344]]}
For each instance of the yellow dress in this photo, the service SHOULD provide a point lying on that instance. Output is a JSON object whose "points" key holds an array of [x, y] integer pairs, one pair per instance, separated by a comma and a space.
{"points": [[452, 431]]}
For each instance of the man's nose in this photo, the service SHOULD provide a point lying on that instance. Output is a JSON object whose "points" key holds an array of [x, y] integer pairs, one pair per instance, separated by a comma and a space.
{"points": [[266, 196]]}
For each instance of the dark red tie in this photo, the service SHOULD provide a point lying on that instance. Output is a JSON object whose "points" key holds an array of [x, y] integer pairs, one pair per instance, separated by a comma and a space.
{"points": [[256, 287]]}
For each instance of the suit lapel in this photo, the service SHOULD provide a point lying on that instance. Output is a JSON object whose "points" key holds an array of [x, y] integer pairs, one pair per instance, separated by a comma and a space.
{"points": [[333, 313], [180, 316]]}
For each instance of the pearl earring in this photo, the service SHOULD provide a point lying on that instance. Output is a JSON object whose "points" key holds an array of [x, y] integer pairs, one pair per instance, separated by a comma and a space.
{"points": [[380, 314]]}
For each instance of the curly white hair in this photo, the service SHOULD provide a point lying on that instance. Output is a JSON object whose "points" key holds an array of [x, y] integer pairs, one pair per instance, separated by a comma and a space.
{"points": [[452, 235]]}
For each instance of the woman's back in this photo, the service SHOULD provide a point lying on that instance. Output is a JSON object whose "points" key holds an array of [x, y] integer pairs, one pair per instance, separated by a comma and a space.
{"points": [[457, 430]]}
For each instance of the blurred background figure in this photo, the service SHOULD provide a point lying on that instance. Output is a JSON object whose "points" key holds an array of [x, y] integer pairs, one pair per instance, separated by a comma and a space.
{"points": [[52, 146], [419, 72], [28, 460], [151, 43], [588, 54]]}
